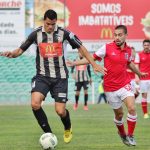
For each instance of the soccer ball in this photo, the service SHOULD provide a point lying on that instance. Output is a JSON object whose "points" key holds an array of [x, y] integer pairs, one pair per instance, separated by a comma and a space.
{"points": [[48, 141]]}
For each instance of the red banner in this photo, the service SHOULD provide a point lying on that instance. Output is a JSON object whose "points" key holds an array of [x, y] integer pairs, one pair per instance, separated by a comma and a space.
{"points": [[96, 19]]}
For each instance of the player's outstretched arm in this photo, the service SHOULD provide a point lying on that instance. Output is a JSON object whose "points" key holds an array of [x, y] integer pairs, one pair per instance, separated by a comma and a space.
{"points": [[136, 70], [12, 54], [90, 59]]}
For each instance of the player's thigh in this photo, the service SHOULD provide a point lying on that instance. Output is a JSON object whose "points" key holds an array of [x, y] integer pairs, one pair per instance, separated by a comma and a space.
{"points": [[59, 90], [39, 91], [130, 102], [78, 86], [85, 85], [126, 92], [113, 99]]}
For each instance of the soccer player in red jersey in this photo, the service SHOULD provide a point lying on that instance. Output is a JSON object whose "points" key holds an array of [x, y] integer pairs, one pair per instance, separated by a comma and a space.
{"points": [[117, 87], [143, 61], [134, 80]]}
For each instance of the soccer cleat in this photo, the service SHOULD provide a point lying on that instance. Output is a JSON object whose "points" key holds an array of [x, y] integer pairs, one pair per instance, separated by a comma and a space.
{"points": [[75, 107], [124, 139], [131, 140], [146, 116], [85, 108], [68, 135]]}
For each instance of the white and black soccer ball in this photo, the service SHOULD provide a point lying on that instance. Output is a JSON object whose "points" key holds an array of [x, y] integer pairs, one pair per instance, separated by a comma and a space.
{"points": [[48, 141]]}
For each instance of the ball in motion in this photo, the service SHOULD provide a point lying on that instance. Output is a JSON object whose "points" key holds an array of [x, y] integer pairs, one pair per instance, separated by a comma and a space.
{"points": [[48, 141]]}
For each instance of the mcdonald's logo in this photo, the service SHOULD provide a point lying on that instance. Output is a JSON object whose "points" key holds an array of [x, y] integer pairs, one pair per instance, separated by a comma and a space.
{"points": [[50, 49], [106, 33]]}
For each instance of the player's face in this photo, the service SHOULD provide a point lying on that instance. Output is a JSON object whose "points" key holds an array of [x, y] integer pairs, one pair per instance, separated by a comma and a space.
{"points": [[119, 37], [146, 46], [49, 25]]}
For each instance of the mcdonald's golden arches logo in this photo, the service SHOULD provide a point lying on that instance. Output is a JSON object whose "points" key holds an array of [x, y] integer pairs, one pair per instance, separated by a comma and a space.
{"points": [[50, 48], [106, 33]]}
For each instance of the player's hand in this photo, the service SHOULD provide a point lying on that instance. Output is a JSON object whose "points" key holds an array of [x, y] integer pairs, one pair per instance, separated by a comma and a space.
{"points": [[6, 54], [98, 68], [143, 74], [69, 63]]}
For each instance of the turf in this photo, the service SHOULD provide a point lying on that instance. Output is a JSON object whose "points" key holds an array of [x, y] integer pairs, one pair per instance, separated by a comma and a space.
{"points": [[92, 130]]}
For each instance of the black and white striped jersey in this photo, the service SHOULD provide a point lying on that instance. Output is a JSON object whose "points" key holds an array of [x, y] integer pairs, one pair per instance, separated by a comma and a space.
{"points": [[50, 60], [82, 73]]}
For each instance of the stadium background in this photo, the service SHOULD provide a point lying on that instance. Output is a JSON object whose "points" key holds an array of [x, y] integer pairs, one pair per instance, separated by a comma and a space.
{"points": [[93, 25]]}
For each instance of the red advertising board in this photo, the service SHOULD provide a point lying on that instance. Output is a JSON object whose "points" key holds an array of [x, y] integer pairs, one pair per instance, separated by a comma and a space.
{"points": [[96, 19]]}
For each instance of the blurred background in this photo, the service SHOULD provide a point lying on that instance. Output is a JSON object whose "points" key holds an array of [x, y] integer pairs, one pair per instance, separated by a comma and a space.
{"points": [[92, 21]]}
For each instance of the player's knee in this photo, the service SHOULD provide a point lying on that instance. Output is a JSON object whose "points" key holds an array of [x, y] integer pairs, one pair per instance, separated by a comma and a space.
{"points": [[60, 112], [119, 116], [131, 110], [35, 105]]}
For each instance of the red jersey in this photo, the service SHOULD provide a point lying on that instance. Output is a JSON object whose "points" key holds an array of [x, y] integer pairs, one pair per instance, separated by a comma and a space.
{"points": [[130, 73], [143, 59], [115, 61]]}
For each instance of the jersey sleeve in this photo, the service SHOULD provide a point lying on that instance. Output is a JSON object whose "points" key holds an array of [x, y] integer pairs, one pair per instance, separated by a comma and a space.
{"points": [[98, 55], [73, 40], [30, 40], [137, 59], [130, 57]]}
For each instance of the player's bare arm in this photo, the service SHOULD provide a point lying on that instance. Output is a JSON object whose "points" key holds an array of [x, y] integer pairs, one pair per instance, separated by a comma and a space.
{"points": [[12, 54], [136, 70], [96, 67], [90, 59]]}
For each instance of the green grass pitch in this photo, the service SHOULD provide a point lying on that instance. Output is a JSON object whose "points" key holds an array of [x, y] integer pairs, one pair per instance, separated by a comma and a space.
{"points": [[92, 130]]}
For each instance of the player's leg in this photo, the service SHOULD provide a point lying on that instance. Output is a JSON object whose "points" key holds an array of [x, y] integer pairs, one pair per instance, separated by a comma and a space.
{"points": [[99, 98], [39, 92], [131, 118], [144, 105], [118, 120], [65, 118], [38, 112], [77, 94], [59, 92], [85, 87], [104, 96], [116, 103], [144, 90]]}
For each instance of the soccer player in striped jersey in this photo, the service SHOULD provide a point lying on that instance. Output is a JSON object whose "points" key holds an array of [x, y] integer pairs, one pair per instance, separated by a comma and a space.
{"points": [[82, 78], [51, 71]]}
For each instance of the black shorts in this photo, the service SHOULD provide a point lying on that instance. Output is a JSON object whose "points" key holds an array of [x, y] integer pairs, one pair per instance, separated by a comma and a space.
{"points": [[79, 85], [56, 86]]}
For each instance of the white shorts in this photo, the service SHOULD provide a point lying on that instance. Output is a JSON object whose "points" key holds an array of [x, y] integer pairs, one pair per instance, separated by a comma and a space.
{"points": [[116, 98], [135, 87], [144, 86]]}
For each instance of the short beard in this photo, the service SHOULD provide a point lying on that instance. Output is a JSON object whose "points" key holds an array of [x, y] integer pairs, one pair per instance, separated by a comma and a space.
{"points": [[120, 44]]}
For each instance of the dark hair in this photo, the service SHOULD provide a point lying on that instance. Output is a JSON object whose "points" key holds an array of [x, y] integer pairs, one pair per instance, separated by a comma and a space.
{"points": [[50, 14], [122, 27], [146, 41]]}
